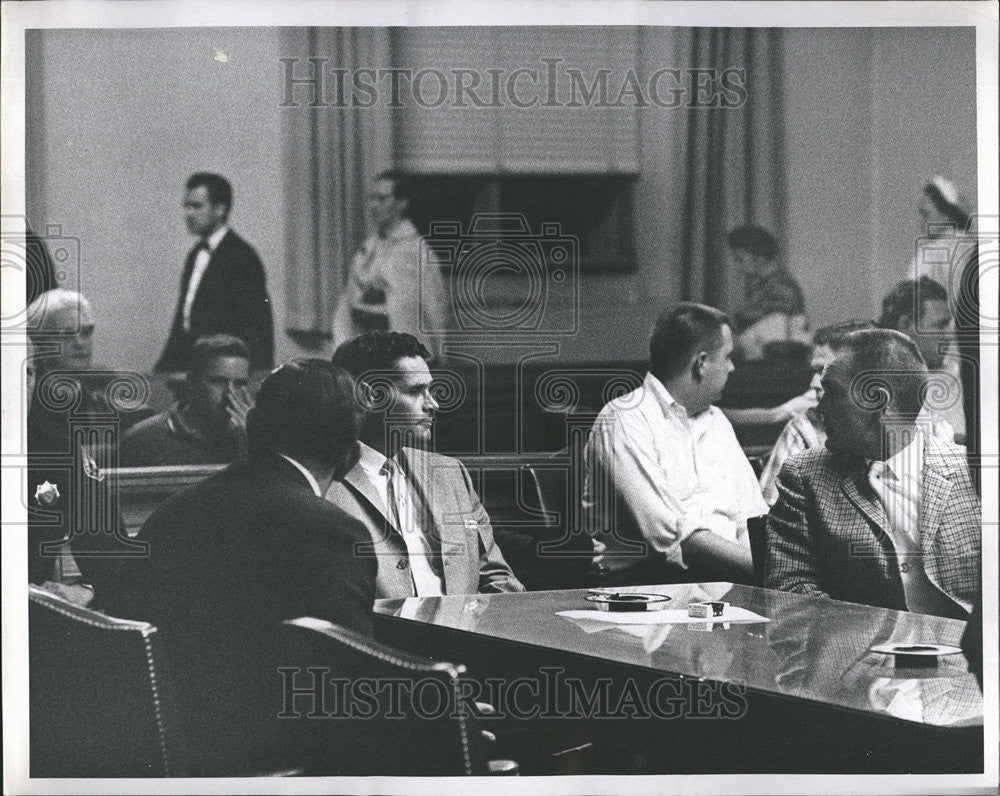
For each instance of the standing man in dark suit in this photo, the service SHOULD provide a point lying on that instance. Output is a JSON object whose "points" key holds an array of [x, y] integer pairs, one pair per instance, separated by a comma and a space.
{"points": [[428, 530], [885, 514], [233, 556], [223, 287]]}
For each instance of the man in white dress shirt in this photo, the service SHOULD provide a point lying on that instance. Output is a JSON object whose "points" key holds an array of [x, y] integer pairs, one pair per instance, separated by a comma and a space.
{"points": [[668, 488]]}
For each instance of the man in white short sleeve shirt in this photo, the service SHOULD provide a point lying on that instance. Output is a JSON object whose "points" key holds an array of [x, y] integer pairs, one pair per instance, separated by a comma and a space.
{"points": [[668, 488]]}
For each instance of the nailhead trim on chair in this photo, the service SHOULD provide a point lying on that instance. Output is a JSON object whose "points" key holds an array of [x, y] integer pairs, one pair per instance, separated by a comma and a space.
{"points": [[329, 629], [92, 618], [160, 729]]}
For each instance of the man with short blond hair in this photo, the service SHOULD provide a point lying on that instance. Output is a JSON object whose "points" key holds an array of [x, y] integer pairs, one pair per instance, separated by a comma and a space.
{"points": [[208, 424]]}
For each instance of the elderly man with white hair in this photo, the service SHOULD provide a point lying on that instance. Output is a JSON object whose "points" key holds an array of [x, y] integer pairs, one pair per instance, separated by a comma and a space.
{"points": [[61, 329], [67, 315], [70, 530]]}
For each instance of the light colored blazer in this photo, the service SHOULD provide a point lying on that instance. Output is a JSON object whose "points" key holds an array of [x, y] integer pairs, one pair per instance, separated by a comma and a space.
{"points": [[828, 534], [471, 560]]}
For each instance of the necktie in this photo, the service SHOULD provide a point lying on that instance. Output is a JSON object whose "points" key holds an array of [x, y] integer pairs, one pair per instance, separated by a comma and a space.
{"points": [[391, 472], [427, 578], [202, 254]]}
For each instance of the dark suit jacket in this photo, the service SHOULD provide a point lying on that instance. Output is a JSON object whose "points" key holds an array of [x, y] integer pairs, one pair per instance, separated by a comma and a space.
{"points": [[85, 512], [229, 559], [471, 560], [828, 534], [232, 299]]}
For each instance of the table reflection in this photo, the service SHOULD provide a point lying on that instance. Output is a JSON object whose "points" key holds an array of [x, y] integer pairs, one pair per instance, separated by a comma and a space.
{"points": [[822, 652], [811, 648]]}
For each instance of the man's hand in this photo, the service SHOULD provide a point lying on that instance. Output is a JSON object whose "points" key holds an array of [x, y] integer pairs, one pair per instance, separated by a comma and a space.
{"points": [[796, 406], [708, 551], [238, 405]]}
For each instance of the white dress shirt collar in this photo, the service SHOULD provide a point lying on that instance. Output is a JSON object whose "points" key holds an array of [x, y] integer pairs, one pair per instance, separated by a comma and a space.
{"points": [[909, 459], [202, 258], [670, 405], [313, 483], [371, 461], [216, 237]]}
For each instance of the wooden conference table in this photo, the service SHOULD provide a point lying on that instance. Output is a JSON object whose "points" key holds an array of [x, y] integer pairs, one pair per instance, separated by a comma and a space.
{"points": [[801, 692]]}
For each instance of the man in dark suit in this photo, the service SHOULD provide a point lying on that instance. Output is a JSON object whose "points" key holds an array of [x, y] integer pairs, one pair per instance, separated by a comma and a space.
{"points": [[223, 287], [428, 530], [233, 556], [885, 514]]}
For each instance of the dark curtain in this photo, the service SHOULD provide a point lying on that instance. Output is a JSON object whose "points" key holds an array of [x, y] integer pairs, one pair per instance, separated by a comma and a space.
{"points": [[734, 158]]}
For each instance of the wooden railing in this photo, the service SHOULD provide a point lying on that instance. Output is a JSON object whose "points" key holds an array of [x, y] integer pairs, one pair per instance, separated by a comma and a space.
{"points": [[142, 489]]}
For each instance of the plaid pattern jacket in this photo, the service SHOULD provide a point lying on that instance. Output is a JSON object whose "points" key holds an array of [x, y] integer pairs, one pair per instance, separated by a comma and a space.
{"points": [[828, 534]]}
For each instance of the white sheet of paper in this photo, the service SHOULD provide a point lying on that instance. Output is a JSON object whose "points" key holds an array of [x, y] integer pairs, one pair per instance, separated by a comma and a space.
{"points": [[667, 617]]}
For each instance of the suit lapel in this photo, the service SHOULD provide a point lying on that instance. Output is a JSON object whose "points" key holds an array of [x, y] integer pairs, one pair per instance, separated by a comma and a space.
{"points": [[873, 537], [387, 544], [358, 481], [188, 270], [936, 493], [868, 506]]}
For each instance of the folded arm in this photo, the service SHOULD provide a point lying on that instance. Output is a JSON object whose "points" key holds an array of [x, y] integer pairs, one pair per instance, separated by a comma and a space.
{"points": [[707, 551], [623, 455]]}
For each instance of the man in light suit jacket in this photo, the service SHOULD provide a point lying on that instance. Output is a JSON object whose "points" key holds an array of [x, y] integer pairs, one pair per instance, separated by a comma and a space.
{"points": [[885, 514], [429, 532], [223, 286]]}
